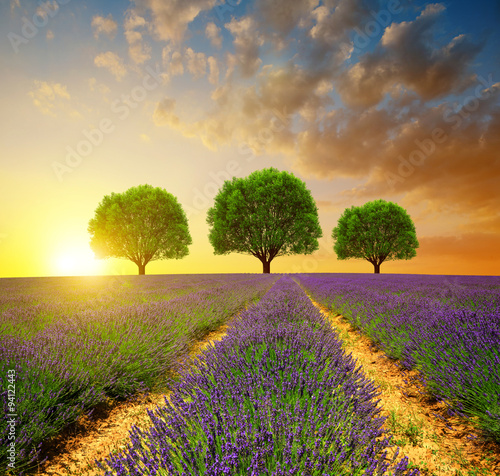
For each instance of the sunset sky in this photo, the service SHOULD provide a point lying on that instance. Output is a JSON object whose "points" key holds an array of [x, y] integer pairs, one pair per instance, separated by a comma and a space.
{"points": [[361, 99]]}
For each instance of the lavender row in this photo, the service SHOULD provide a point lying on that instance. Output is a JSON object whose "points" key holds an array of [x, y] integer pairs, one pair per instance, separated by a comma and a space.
{"points": [[28, 304], [448, 328], [277, 396], [73, 363]]}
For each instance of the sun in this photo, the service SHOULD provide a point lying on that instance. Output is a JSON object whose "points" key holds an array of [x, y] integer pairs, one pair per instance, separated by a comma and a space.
{"points": [[76, 262]]}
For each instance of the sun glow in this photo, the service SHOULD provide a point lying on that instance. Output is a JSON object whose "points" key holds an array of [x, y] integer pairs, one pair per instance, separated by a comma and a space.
{"points": [[77, 262]]}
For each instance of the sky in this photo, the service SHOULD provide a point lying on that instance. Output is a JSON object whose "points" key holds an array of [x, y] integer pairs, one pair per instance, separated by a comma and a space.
{"points": [[361, 99]]}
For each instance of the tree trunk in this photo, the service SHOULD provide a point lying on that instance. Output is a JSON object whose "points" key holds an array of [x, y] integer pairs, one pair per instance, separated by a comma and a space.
{"points": [[142, 269], [266, 266], [377, 268]]}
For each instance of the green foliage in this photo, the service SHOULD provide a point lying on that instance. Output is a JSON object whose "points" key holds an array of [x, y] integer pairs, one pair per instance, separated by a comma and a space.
{"points": [[378, 231], [267, 214], [142, 224]]}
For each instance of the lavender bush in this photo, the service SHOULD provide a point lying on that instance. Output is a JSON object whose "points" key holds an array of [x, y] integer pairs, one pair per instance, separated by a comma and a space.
{"points": [[277, 395]]}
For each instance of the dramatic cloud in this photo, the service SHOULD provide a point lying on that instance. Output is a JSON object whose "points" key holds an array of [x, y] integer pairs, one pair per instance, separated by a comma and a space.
{"points": [[284, 15], [408, 55], [258, 117], [104, 25], [446, 156], [247, 42], [113, 63], [387, 134]]}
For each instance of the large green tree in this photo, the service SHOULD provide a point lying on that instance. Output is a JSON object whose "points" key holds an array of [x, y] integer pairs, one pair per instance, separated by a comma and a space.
{"points": [[267, 214], [378, 231], [142, 224]]}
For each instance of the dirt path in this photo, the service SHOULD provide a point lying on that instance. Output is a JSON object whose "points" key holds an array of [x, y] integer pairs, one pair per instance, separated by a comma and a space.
{"points": [[429, 443], [74, 452]]}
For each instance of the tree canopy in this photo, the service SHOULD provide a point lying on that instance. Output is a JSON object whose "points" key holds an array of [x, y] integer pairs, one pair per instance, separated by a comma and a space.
{"points": [[267, 214], [142, 224], [378, 231]]}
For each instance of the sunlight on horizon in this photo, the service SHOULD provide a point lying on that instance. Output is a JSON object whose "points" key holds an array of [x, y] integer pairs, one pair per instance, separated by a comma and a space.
{"points": [[77, 262]]}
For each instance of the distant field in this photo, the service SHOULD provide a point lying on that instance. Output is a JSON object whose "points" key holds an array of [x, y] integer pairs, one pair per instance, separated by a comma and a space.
{"points": [[68, 344]]}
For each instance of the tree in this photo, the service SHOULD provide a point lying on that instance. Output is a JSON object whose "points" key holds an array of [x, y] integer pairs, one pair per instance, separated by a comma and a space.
{"points": [[377, 231], [267, 214], [142, 224]]}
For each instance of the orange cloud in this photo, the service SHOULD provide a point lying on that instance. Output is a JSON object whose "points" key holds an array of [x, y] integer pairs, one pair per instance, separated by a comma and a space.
{"points": [[104, 25]]}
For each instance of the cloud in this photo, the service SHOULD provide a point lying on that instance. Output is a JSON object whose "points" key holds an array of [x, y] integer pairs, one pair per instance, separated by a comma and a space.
{"points": [[345, 144], [257, 115], [45, 8], [173, 61], [289, 106], [171, 19], [139, 51], [49, 96], [212, 32], [113, 63], [283, 16], [14, 4], [164, 113], [102, 25], [445, 156], [95, 86], [196, 63], [247, 42], [409, 55]]}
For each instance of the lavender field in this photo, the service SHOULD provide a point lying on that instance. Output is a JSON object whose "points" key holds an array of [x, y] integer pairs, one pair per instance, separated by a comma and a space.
{"points": [[277, 395], [446, 327], [74, 342]]}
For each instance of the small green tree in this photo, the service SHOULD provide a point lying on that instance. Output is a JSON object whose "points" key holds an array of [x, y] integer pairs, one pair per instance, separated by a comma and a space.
{"points": [[378, 231], [267, 214], [142, 224]]}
